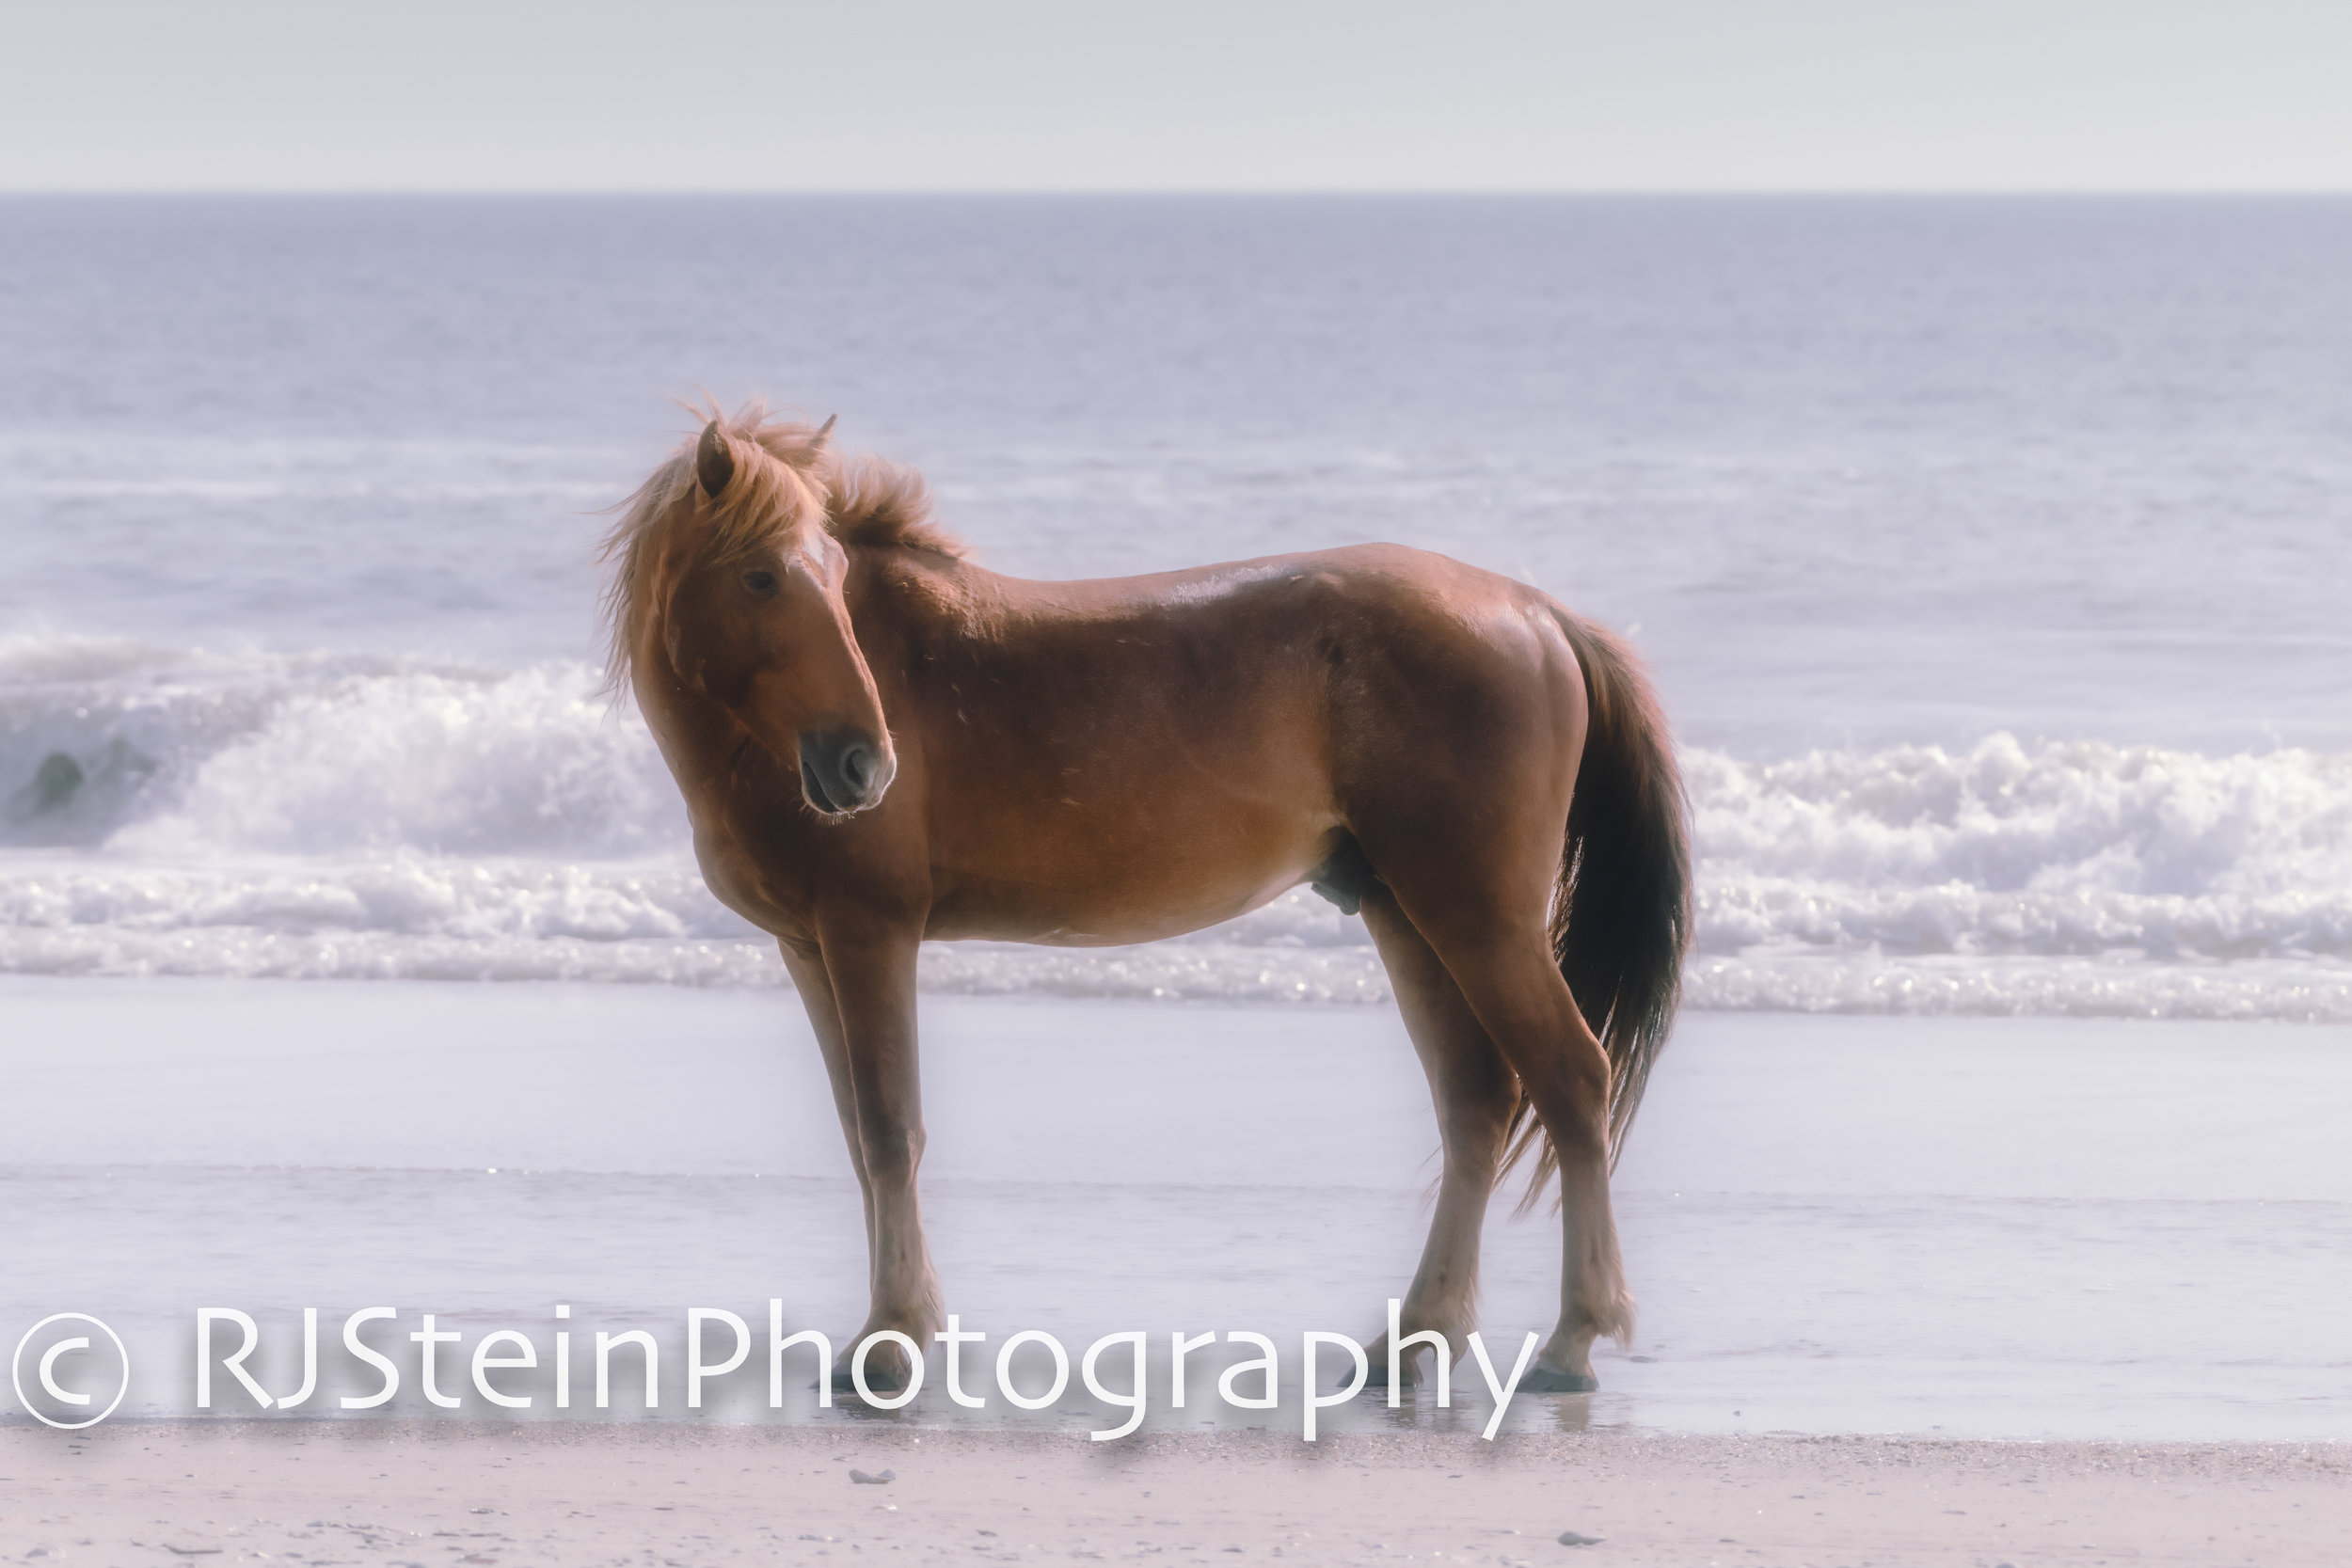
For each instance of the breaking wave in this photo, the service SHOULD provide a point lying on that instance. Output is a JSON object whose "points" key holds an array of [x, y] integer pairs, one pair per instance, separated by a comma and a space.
{"points": [[173, 812]]}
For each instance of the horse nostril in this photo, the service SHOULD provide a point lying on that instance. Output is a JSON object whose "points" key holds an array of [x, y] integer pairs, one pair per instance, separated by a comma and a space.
{"points": [[842, 770], [857, 768]]}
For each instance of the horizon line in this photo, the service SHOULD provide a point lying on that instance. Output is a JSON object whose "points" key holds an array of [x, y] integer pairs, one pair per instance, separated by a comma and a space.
{"points": [[1277, 193]]}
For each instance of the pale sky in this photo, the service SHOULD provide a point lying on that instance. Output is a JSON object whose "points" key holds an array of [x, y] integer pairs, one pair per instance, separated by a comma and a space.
{"points": [[1034, 95]]}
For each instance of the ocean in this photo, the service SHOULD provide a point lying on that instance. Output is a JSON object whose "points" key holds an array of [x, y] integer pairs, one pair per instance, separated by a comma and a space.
{"points": [[1989, 554]]}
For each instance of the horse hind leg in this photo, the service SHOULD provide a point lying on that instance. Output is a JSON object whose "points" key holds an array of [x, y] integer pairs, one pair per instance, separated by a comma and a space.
{"points": [[1482, 903], [1475, 1096], [1517, 989]]}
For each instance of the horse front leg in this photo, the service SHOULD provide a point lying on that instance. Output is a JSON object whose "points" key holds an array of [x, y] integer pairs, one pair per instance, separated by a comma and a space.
{"points": [[806, 963], [870, 975]]}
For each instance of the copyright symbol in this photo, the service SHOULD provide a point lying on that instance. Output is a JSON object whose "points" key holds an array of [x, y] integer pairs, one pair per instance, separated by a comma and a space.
{"points": [[64, 1360]]}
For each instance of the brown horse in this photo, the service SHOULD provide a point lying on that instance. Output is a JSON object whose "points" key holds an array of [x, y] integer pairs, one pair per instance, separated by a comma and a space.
{"points": [[880, 744]]}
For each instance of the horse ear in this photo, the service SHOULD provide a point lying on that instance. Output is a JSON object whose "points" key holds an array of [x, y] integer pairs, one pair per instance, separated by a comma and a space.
{"points": [[823, 431], [714, 464]]}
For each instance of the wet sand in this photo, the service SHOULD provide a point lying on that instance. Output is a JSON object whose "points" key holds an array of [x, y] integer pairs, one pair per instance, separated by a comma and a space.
{"points": [[1996, 1228], [359, 1493]]}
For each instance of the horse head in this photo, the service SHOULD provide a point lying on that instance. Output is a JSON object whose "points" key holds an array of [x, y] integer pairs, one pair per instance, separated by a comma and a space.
{"points": [[757, 620]]}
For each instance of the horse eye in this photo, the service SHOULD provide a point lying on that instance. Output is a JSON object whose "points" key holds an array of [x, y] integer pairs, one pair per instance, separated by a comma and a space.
{"points": [[761, 584]]}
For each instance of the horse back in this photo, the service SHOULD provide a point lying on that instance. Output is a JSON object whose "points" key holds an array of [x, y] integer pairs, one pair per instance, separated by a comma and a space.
{"points": [[1110, 760]]}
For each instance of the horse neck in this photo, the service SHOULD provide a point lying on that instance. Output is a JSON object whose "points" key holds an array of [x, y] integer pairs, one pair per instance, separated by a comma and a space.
{"points": [[697, 736], [899, 598]]}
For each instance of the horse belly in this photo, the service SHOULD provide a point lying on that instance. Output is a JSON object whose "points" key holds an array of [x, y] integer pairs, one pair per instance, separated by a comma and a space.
{"points": [[1146, 787], [1139, 888]]}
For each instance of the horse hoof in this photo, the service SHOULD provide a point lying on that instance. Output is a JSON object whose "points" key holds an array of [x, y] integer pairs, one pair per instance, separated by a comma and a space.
{"points": [[1377, 1380], [1543, 1380], [879, 1381]]}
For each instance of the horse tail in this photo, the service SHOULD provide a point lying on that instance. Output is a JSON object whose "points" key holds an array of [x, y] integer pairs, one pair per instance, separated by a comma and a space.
{"points": [[1621, 918]]}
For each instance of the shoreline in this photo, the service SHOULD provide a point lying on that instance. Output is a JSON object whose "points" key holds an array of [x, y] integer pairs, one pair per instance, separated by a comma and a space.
{"points": [[326, 1492], [1832, 1225]]}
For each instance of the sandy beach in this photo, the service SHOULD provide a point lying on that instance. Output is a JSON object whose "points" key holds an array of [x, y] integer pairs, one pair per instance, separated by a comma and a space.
{"points": [[409, 1493]]}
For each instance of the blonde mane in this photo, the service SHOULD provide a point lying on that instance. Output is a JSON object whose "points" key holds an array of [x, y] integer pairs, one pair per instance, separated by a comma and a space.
{"points": [[784, 470]]}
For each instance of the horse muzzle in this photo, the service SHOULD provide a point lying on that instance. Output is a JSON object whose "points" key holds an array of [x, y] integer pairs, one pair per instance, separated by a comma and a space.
{"points": [[844, 770]]}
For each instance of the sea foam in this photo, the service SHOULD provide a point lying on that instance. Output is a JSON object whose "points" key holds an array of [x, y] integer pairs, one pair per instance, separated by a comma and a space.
{"points": [[260, 816]]}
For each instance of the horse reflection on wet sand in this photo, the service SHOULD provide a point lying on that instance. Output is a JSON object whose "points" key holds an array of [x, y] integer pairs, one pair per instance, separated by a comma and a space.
{"points": [[880, 743]]}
